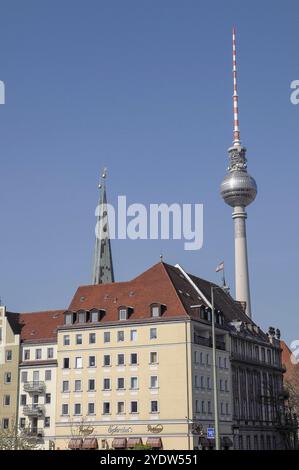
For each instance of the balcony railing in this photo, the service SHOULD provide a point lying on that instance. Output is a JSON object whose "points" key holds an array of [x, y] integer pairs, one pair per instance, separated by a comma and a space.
{"points": [[33, 410], [34, 387], [33, 432], [208, 342]]}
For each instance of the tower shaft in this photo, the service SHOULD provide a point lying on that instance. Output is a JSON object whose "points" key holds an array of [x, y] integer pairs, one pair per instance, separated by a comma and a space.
{"points": [[241, 258]]}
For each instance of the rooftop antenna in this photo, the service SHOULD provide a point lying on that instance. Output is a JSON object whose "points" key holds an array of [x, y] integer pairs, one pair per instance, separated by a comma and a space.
{"points": [[236, 133]]}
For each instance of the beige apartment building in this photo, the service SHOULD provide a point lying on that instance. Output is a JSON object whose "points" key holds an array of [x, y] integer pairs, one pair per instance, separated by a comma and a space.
{"points": [[9, 363], [134, 366]]}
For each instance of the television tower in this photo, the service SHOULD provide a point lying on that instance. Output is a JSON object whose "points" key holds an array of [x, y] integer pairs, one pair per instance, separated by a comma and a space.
{"points": [[238, 190]]}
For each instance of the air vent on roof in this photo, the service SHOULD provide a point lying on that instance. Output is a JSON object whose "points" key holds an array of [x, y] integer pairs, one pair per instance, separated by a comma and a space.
{"points": [[187, 294], [32, 332], [131, 293], [56, 315], [82, 298], [106, 297], [180, 291]]}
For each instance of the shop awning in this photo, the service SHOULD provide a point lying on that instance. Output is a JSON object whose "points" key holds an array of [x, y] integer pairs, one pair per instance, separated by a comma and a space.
{"points": [[119, 443], [226, 441], [134, 441], [155, 442], [75, 443], [90, 443]]}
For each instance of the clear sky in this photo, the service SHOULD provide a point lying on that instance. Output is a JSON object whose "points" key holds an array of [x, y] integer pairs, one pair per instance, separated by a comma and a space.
{"points": [[144, 88]]}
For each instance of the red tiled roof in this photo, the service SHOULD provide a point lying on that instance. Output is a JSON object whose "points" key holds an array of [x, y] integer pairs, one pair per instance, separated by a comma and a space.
{"points": [[154, 285], [40, 325]]}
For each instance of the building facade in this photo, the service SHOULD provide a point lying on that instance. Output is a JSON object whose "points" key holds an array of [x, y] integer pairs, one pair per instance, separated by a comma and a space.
{"points": [[9, 362]]}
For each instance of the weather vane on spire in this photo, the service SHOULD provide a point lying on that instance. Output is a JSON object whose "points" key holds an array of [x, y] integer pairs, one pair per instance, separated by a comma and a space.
{"points": [[236, 140], [103, 177]]}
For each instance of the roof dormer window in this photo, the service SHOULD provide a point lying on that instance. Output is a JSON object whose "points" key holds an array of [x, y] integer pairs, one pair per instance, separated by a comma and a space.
{"points": [[94, 315], [68, 318], [81, 316], [157, 310], [122, 313]]}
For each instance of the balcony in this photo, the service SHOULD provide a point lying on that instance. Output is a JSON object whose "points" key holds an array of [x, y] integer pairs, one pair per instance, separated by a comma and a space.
{"points": [[34, 387], [208, 342], [33, 410], [33, 432]]}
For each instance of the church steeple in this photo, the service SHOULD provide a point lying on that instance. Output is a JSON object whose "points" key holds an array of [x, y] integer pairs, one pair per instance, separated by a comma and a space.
{"points": [[102, 266]]}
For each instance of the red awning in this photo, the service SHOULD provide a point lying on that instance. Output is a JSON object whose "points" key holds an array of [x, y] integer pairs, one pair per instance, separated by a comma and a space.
{"points": [[75, 443], [90, 443], [119, 443], [133, 441], [154, 442]]}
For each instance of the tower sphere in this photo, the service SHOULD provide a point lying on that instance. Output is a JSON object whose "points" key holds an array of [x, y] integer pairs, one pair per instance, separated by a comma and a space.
{"points": [[238, 188]]}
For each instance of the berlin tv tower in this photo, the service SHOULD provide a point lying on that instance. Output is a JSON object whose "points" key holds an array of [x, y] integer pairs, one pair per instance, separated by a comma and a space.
{"points": [[238, 190]]}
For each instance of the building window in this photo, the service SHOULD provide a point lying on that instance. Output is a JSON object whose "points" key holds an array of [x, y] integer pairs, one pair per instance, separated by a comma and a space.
{"points": [[120, 336], [92, 361], [92, 338], [107, 360], [220, 362], [155, 311], [134, 383], [94, 316], [77, 385], [203, 410], [120, 359], [23, 400], [202, 383], [153, 333], [208, 359], [48, 374], [91, 385], [65, 409], [248, 440], [209, 408], [50, 353], [7, 377], [6, 400], [209, 383], [122, 314], [26, 354], [107, 337], [38, 353], [153, 357], [226, 385], [47, 422], [77, 409], [106, 408], [91, 409], [221, 385], [154, 381], [120, 383], [134, 407], [225, 363], [66, 340], [9, 355], [5, 423], [133, 335], [78, 362], [22, 423], [65, 386], [66, 362], [196, 381], [196, 357], [120, 407], [81, 317], [154, 406], [48, 398], [201, 358], [227, 409], [221, 408], [68, 318], [134, 359], [255, 443], [78, 339], [106, 384]]}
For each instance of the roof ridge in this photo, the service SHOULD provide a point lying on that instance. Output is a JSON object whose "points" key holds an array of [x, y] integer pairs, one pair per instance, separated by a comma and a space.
{"points": [[173, 286]]}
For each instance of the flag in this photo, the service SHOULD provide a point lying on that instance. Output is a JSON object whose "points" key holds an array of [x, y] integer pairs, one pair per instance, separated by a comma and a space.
{"points": [[220, 267]]}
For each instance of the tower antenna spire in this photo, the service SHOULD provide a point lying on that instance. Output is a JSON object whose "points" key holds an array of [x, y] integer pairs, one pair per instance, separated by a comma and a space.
{"points": [[236, 133]]}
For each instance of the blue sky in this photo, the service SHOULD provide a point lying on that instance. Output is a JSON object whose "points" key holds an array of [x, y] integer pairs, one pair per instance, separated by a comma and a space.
{"points": [[144, 88]]}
